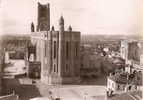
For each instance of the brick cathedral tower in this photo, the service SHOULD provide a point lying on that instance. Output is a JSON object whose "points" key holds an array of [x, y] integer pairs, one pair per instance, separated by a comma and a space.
{"points": [[43, 17], [58, 51]]}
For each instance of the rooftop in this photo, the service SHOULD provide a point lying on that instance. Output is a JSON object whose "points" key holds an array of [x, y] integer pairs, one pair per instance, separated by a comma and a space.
{"points": [[119, 77], [124, 78]]}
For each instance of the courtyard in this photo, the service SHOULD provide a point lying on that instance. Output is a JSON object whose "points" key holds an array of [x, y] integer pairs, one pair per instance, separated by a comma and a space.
{"points": [[27, 90]]}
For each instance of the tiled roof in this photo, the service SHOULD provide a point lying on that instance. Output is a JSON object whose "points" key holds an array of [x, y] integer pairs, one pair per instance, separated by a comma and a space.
{"points": [[119, 78], [123, 78]]}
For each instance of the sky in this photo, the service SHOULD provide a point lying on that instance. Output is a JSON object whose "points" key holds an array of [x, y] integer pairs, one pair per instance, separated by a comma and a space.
{"points": [[87, 16]]}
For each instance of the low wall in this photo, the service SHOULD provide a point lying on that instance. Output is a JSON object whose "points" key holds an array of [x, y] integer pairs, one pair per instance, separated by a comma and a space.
{"points": [[9, 97]]}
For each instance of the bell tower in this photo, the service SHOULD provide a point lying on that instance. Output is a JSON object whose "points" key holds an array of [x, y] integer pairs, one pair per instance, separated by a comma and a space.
{"points": [[43, 17]]}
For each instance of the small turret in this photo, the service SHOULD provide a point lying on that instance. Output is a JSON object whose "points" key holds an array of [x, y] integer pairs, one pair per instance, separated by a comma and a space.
{"points": [[70, 28], [61, 24], [32, 27], [53, 29], [61, 21]]}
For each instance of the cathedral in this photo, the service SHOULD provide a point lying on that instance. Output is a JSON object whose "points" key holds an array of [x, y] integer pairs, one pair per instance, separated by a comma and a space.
{"points": [[58, 51]]}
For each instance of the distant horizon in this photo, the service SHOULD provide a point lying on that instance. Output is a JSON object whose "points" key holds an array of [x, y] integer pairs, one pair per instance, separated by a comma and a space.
{"points": [[12, 34]]}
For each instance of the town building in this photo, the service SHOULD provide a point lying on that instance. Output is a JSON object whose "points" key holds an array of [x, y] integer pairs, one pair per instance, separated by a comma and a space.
{"points": [[131, 51], [57, 51], [124, 50], [1, 64], [124, 81], [0, 78]]}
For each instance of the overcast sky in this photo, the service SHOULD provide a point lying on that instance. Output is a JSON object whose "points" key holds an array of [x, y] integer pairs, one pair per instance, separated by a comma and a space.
{"points": [[88, 16]]}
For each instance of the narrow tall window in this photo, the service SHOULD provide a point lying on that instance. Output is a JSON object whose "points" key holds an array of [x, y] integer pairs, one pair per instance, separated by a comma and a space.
{"points": [[76, 49], [67, 49], [57, 69], [55, 49], [54, 68]]}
